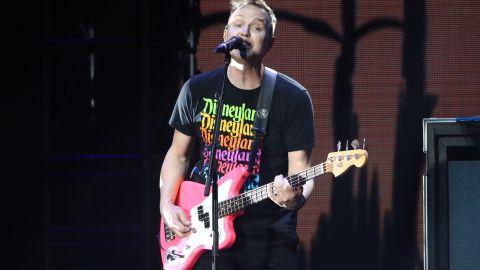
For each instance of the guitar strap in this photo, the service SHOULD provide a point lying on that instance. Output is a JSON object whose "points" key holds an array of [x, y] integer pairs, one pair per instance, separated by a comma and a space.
{"points": [[263, 111]]}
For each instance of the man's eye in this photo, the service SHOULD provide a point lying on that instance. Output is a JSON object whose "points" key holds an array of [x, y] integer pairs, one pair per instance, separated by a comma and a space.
{"points": [[257, 28]]}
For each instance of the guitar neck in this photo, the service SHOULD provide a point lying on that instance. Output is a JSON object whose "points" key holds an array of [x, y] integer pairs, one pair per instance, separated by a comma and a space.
{"points": [[256, 195]]}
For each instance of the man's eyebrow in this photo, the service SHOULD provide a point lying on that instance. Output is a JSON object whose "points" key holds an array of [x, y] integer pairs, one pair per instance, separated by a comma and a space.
{"points": [[256, 18]]}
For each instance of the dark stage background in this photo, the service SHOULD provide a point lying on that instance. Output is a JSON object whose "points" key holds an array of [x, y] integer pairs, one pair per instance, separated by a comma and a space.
{"points": [[91, 85]]}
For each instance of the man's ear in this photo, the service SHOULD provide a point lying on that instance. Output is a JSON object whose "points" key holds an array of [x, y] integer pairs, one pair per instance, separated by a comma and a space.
{"points": [[272, 40], [225, 33]]}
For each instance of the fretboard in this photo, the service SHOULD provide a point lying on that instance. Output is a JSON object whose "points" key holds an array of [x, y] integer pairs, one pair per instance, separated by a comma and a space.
{"points": [[256, 195]]}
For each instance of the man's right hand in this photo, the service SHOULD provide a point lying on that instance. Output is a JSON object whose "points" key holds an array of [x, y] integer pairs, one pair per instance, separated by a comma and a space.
{"points": [[176, 219]]}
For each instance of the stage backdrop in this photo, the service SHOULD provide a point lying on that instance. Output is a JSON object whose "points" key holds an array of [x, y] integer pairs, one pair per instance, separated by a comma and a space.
{"points": [[374, 69]]}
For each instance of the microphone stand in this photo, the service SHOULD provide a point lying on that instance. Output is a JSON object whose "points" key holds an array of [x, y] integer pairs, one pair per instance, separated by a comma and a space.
{"points": [[211, 176]]}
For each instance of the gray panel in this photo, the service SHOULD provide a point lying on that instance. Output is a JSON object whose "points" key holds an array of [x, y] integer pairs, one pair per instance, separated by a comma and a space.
{"points": [[464, 214]]}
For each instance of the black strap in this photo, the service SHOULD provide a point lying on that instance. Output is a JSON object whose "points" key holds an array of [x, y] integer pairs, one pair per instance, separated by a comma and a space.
{"points": [[263, 111]]}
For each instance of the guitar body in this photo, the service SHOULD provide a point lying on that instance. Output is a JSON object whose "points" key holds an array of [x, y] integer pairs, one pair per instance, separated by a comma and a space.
{"points": [[183, 253]]}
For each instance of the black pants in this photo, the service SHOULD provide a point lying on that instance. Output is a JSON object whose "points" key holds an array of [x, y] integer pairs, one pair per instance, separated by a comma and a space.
{"points": [[254, 253]]}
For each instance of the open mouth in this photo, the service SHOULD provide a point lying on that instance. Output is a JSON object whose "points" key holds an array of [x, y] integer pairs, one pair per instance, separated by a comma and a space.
{"points": [[246, 45]]}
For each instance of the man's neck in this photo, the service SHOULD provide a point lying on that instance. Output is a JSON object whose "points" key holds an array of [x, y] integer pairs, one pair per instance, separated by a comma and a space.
{"points": [[245, 76]]}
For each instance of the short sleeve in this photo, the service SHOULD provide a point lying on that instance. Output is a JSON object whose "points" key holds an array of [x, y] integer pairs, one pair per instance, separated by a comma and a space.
{"points": [[182, 117], [300, 131]]}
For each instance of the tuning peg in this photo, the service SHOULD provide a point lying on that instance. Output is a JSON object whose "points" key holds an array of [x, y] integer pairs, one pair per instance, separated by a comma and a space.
{"points": [[339, 146], [355, 144], [346, 146], [364, 142]]}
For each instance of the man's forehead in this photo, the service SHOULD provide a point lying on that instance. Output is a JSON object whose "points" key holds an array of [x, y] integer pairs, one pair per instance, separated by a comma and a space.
{"points": [[249, 11]]}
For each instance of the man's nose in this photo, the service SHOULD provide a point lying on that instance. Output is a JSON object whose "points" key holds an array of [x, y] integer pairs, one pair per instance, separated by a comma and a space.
{"points": [[245, 30]]}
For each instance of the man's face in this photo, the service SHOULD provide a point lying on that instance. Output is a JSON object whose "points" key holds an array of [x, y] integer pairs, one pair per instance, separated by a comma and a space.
{"points": [[251, 24]]}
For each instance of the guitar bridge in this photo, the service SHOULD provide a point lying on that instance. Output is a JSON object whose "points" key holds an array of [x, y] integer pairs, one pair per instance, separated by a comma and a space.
{"points": [[171, 255]]}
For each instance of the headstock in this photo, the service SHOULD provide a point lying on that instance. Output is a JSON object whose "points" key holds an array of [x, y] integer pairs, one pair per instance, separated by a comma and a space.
{"points": [[338, 162]]}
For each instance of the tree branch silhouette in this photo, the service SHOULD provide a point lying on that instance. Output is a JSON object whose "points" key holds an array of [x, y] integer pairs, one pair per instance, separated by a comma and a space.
{"points": [[376, 25], [316, 26]]}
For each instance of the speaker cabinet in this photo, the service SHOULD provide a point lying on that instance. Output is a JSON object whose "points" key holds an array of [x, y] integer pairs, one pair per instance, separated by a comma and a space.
{"points": [[452, 193]]}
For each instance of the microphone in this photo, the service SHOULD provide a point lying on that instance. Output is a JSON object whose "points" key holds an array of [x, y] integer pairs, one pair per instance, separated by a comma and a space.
{"points": [[231, 44]]}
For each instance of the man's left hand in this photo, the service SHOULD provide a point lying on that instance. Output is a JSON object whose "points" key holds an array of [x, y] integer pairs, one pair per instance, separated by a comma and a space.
{"points": [[282, 193]]}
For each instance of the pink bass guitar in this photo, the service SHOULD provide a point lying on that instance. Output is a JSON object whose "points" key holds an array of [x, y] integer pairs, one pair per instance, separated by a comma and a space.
{"points": [[182, 253]]}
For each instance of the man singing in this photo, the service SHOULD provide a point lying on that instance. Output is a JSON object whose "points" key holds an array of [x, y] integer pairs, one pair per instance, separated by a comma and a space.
{"points": [[266, 232]]}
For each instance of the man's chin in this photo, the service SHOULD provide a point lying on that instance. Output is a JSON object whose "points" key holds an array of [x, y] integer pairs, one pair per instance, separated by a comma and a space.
{"points": [[246, 57]]}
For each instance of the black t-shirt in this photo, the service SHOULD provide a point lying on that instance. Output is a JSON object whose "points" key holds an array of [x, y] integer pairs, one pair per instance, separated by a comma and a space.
{"points": [[290, 128]]}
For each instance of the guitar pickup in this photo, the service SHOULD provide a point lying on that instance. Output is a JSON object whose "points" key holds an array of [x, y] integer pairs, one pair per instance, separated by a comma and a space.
{"points": [[203, 216], [206, 220], [169, 235]]}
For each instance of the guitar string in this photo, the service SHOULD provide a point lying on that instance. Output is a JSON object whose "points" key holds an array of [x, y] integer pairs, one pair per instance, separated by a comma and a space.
{"points": [[261, 192], [246, 198], [235, 204], [243, 199]]}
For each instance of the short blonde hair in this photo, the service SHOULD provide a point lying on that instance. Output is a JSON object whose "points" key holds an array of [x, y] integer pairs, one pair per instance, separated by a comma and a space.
{"points": [[236, 4]]}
